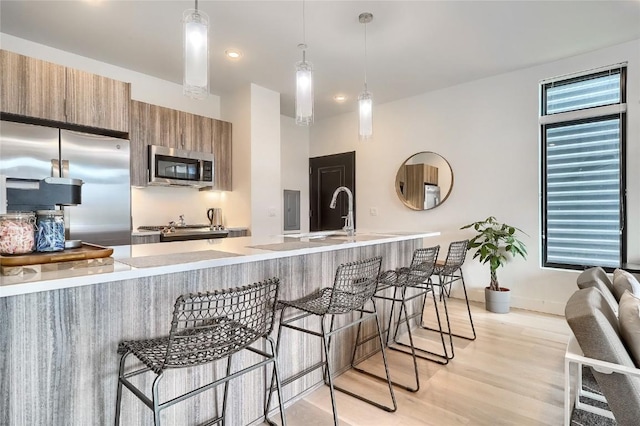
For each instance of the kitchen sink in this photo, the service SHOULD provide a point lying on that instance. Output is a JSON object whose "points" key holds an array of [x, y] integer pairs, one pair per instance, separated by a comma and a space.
{"points": [[317, 234]]}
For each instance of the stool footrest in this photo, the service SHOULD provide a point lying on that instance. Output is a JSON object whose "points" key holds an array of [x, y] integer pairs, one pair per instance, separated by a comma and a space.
{"points": [[435, 357], [301, 374], [361, 398]]}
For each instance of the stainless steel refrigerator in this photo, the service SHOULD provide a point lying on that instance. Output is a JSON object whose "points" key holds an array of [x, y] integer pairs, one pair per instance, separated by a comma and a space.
{"points": [[30, 151]]}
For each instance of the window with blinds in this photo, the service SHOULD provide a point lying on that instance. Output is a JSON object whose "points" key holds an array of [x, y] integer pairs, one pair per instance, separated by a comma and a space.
{"points": [[582, 125]]}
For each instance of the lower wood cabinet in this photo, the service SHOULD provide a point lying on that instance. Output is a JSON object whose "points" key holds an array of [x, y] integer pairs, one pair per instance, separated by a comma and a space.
{"points": [[238, 233], [145, 239]]}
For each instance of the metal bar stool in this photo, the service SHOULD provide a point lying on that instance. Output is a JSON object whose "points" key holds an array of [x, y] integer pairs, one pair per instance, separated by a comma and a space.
{"points": [[206, 327], [354, 285], [449, 272], [404, 281]]}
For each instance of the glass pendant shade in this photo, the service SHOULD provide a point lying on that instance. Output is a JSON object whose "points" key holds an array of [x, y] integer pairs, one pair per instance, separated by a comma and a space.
{"points": [[304, 93], [365, 107], [196, 54]]}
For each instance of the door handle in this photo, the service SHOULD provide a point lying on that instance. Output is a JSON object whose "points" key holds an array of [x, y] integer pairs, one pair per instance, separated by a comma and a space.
{"points": [[65, 168], [55, 168]]}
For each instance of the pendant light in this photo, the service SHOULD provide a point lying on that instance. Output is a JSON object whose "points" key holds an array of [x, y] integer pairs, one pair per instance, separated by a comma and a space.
{"points": [[365, 100], [304, 83], [196, 53]]}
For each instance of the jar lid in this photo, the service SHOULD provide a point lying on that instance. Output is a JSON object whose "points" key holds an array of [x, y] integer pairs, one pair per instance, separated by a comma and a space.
{"points": [[50, 212], [17, 215]]}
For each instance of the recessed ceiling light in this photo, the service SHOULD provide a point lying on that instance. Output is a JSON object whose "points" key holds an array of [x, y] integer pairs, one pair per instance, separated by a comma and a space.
{"points": [[340, 98], [233, 54]]}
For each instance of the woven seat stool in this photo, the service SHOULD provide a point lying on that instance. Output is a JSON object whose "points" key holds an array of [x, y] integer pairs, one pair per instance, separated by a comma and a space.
{"points": [[409, 283], [354, 285], [449, 272], [207, 327]]}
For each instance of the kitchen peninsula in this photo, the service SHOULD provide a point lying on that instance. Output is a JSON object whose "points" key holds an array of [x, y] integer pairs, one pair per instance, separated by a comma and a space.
{"points": [[60, 330]]}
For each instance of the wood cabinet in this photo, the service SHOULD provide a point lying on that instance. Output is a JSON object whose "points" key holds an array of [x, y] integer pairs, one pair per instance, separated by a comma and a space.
{"points": [[139, 134], [96, 101], [197, 132], [222, 155], [164, 127], [145, 239], [31, 88], [43, 90], [234, 233], [156, 125]]}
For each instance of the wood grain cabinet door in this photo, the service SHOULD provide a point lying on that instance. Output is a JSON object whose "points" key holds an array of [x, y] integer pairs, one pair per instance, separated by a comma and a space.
{"points": [[197, 133], [31, 87], [96, 101], [164, 127], [222, 155], [139, 140]]}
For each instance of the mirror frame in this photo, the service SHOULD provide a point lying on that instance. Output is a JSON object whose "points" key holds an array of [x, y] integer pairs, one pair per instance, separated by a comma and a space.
{"points": [[401, 196]]}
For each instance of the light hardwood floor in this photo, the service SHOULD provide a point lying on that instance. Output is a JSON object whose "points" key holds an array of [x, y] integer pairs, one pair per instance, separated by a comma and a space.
{"points": [[511, 375]]}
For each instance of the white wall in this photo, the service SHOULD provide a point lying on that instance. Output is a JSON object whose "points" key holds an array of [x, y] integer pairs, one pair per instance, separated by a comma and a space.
{"points": [[266, 194], [160, 205], [294, 160], [488, 131]]}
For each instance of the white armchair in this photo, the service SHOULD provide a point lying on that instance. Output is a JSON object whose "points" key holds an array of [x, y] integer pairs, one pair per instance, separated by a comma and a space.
{"points": [[573, 385], [597, 343]]}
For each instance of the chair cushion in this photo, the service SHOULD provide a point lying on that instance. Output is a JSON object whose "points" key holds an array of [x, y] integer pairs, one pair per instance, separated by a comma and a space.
{"points": [[604, 289], [629, 323], [596, 329], [623, 280], [591, 274]]}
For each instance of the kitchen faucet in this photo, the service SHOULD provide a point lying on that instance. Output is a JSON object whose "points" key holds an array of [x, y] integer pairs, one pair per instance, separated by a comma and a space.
{"points": [[348, 224]]}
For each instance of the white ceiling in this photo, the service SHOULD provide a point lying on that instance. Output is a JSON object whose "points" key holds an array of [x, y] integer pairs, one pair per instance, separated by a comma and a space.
{"points": [[412, 46]]}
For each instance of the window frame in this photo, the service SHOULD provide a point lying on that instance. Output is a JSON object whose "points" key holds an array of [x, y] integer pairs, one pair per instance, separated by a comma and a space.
{"points": [[588, 115]]}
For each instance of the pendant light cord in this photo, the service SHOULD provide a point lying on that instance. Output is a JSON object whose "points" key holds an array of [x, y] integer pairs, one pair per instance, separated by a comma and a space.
{"points": [[365, 56], [304, 29], [196, 5]]}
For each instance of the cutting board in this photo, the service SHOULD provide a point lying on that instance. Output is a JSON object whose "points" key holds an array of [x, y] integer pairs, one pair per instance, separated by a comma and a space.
{"points": [[83, 257]]}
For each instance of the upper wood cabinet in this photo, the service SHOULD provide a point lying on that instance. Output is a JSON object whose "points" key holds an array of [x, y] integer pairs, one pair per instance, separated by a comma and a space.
{"points": [[222, 155], [156, 125], [39, 89], [197, 133], [97, 101], [31, 87], [138, 135]]}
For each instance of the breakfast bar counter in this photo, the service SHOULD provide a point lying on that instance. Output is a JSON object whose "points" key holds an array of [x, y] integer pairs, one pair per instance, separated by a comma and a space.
{"points": [[59, 331]]}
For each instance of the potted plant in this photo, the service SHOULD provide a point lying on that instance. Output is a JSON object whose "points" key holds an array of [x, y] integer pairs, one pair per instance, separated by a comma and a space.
{"points": [[496, 243]]}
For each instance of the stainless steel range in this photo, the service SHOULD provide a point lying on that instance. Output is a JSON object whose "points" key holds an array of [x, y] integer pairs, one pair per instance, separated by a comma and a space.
{"points": [[186, 232]]}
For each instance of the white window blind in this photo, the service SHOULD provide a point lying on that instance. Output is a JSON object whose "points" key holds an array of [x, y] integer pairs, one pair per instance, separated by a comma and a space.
{"points": [[582, 172]]}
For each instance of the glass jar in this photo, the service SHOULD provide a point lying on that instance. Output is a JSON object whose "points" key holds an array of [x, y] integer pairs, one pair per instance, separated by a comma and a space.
{"points": [[50, 231], [17, 233]]}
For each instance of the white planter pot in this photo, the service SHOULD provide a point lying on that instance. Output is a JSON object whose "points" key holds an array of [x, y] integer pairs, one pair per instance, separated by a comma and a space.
{"points": [[497, 301]]}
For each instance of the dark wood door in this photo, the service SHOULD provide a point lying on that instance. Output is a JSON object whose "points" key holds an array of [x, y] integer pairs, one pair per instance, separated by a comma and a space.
{"points": [[326, 174]]}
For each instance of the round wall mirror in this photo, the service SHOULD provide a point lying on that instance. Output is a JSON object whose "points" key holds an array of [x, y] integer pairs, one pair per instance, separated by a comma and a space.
{"points": [[424, 181]]}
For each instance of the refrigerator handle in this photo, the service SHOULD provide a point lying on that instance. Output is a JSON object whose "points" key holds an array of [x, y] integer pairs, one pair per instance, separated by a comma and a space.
{"points": [[65, 169], [55, 168]]}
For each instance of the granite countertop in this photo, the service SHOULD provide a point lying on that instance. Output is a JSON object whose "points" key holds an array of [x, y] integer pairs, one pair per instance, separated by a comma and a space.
{"points": [[144, 260]]}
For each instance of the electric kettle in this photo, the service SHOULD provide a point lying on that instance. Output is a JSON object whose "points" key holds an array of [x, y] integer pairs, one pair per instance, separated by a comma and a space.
{"points": [[215, 218]]}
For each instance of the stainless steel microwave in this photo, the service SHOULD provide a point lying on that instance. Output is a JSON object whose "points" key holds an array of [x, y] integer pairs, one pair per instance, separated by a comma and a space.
{"points": [[169, 166]]}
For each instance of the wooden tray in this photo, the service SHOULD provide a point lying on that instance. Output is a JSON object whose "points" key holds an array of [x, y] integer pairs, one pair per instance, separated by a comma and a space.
{"points": [[87, 251]]}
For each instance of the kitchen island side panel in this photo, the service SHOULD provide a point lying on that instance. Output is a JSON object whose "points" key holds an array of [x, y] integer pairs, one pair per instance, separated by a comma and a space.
{"points": [[59, 363]]}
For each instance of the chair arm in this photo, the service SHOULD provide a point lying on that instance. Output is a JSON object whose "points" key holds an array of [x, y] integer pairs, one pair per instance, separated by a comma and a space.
{"points": [[575, 354]]}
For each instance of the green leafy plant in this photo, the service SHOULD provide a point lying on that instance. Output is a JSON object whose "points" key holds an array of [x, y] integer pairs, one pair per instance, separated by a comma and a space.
{"points": [[496, 243]]}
